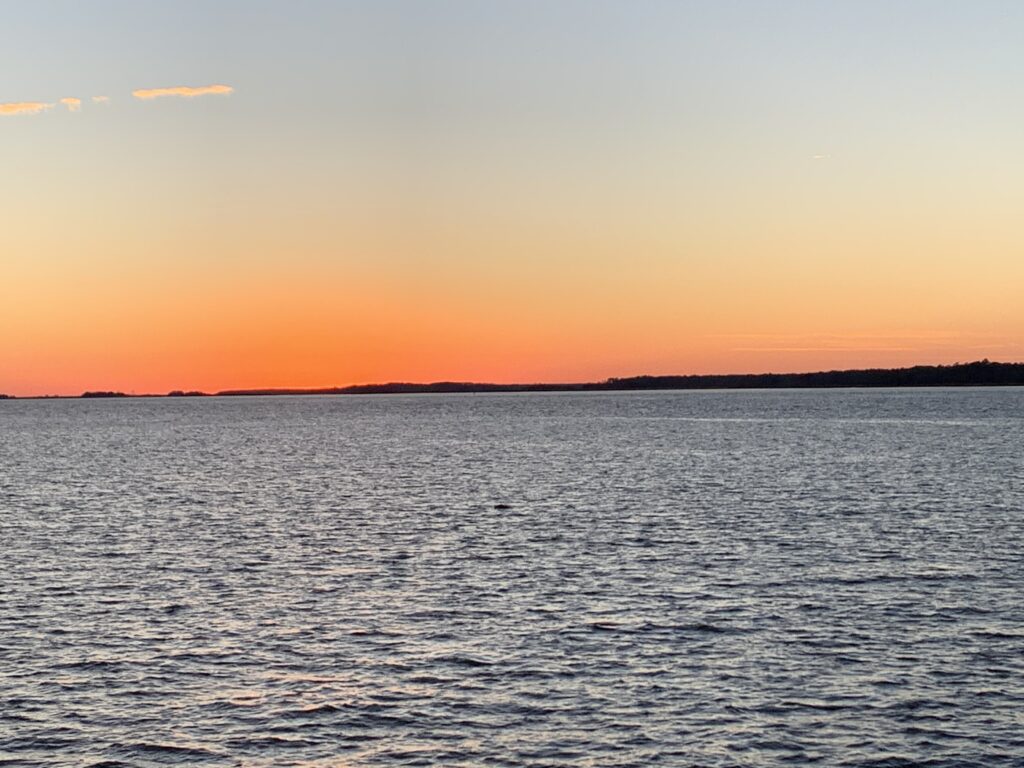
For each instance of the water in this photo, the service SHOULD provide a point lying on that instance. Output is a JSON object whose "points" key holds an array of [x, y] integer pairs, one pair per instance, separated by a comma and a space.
{"points": [[693, 578]]}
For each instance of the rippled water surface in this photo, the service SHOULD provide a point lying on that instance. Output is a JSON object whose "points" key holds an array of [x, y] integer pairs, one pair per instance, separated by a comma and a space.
{"points": [[690, 578]]}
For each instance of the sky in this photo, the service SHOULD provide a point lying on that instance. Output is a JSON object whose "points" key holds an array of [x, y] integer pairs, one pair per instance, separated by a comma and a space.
{"points": [[212, 195]]}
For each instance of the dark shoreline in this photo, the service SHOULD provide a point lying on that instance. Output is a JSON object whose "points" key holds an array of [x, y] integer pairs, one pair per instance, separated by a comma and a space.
{"points": [[982, 373]]}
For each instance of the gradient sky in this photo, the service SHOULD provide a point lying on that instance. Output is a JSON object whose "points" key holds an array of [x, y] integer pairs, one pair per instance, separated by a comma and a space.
{"points": [[516, 191]]}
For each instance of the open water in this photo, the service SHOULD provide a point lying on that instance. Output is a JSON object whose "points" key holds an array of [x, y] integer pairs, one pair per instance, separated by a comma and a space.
{"points": [[635, 579]]}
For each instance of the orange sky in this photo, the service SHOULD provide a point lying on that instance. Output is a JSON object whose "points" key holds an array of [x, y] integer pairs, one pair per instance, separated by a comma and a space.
{"points": [[679, 189]]}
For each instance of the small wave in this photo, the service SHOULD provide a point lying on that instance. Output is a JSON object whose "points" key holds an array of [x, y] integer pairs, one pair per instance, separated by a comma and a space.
{"points": [[605, 626], [361, 632], [156, 748], [318, 710], [463, 660], [995, 634], [824, 706], [89, 664], [270, 742], [702, 627]]}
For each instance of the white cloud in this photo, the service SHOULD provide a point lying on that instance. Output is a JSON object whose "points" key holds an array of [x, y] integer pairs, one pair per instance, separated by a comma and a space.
{"points": [[24, 107], [74, 104], [185, 91]]}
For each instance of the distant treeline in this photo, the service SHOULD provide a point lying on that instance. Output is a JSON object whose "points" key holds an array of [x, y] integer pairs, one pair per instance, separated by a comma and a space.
{"points": [[981, 373]]}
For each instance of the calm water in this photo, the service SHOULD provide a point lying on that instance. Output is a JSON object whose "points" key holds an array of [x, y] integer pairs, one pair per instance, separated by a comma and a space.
{"points": [[695, 578]]}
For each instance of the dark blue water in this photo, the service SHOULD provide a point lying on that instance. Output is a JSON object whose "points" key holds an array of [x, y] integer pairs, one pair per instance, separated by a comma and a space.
{"points": [[695, 578]]}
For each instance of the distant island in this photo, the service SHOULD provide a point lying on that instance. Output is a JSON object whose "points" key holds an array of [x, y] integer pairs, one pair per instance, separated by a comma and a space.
{"points": [[976, 374], [982, 373]]}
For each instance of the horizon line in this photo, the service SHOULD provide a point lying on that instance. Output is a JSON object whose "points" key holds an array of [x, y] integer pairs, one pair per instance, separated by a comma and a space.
{"points": [[769, 379]]}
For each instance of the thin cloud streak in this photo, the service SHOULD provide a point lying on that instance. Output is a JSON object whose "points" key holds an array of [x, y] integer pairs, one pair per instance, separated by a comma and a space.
{"points": [[825, 349], [24, 107], [74, 104], [826, 338], [184, 91]]}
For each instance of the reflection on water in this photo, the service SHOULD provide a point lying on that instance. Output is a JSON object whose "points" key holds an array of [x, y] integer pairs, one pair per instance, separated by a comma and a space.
{"points": [[746, 578]]}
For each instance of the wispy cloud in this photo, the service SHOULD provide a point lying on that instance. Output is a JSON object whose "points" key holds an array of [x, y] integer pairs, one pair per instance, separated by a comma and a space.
{"points": [[74, 104], [935, 336], [936, 341], [185, 91], [24, 107], [825, 349]]}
